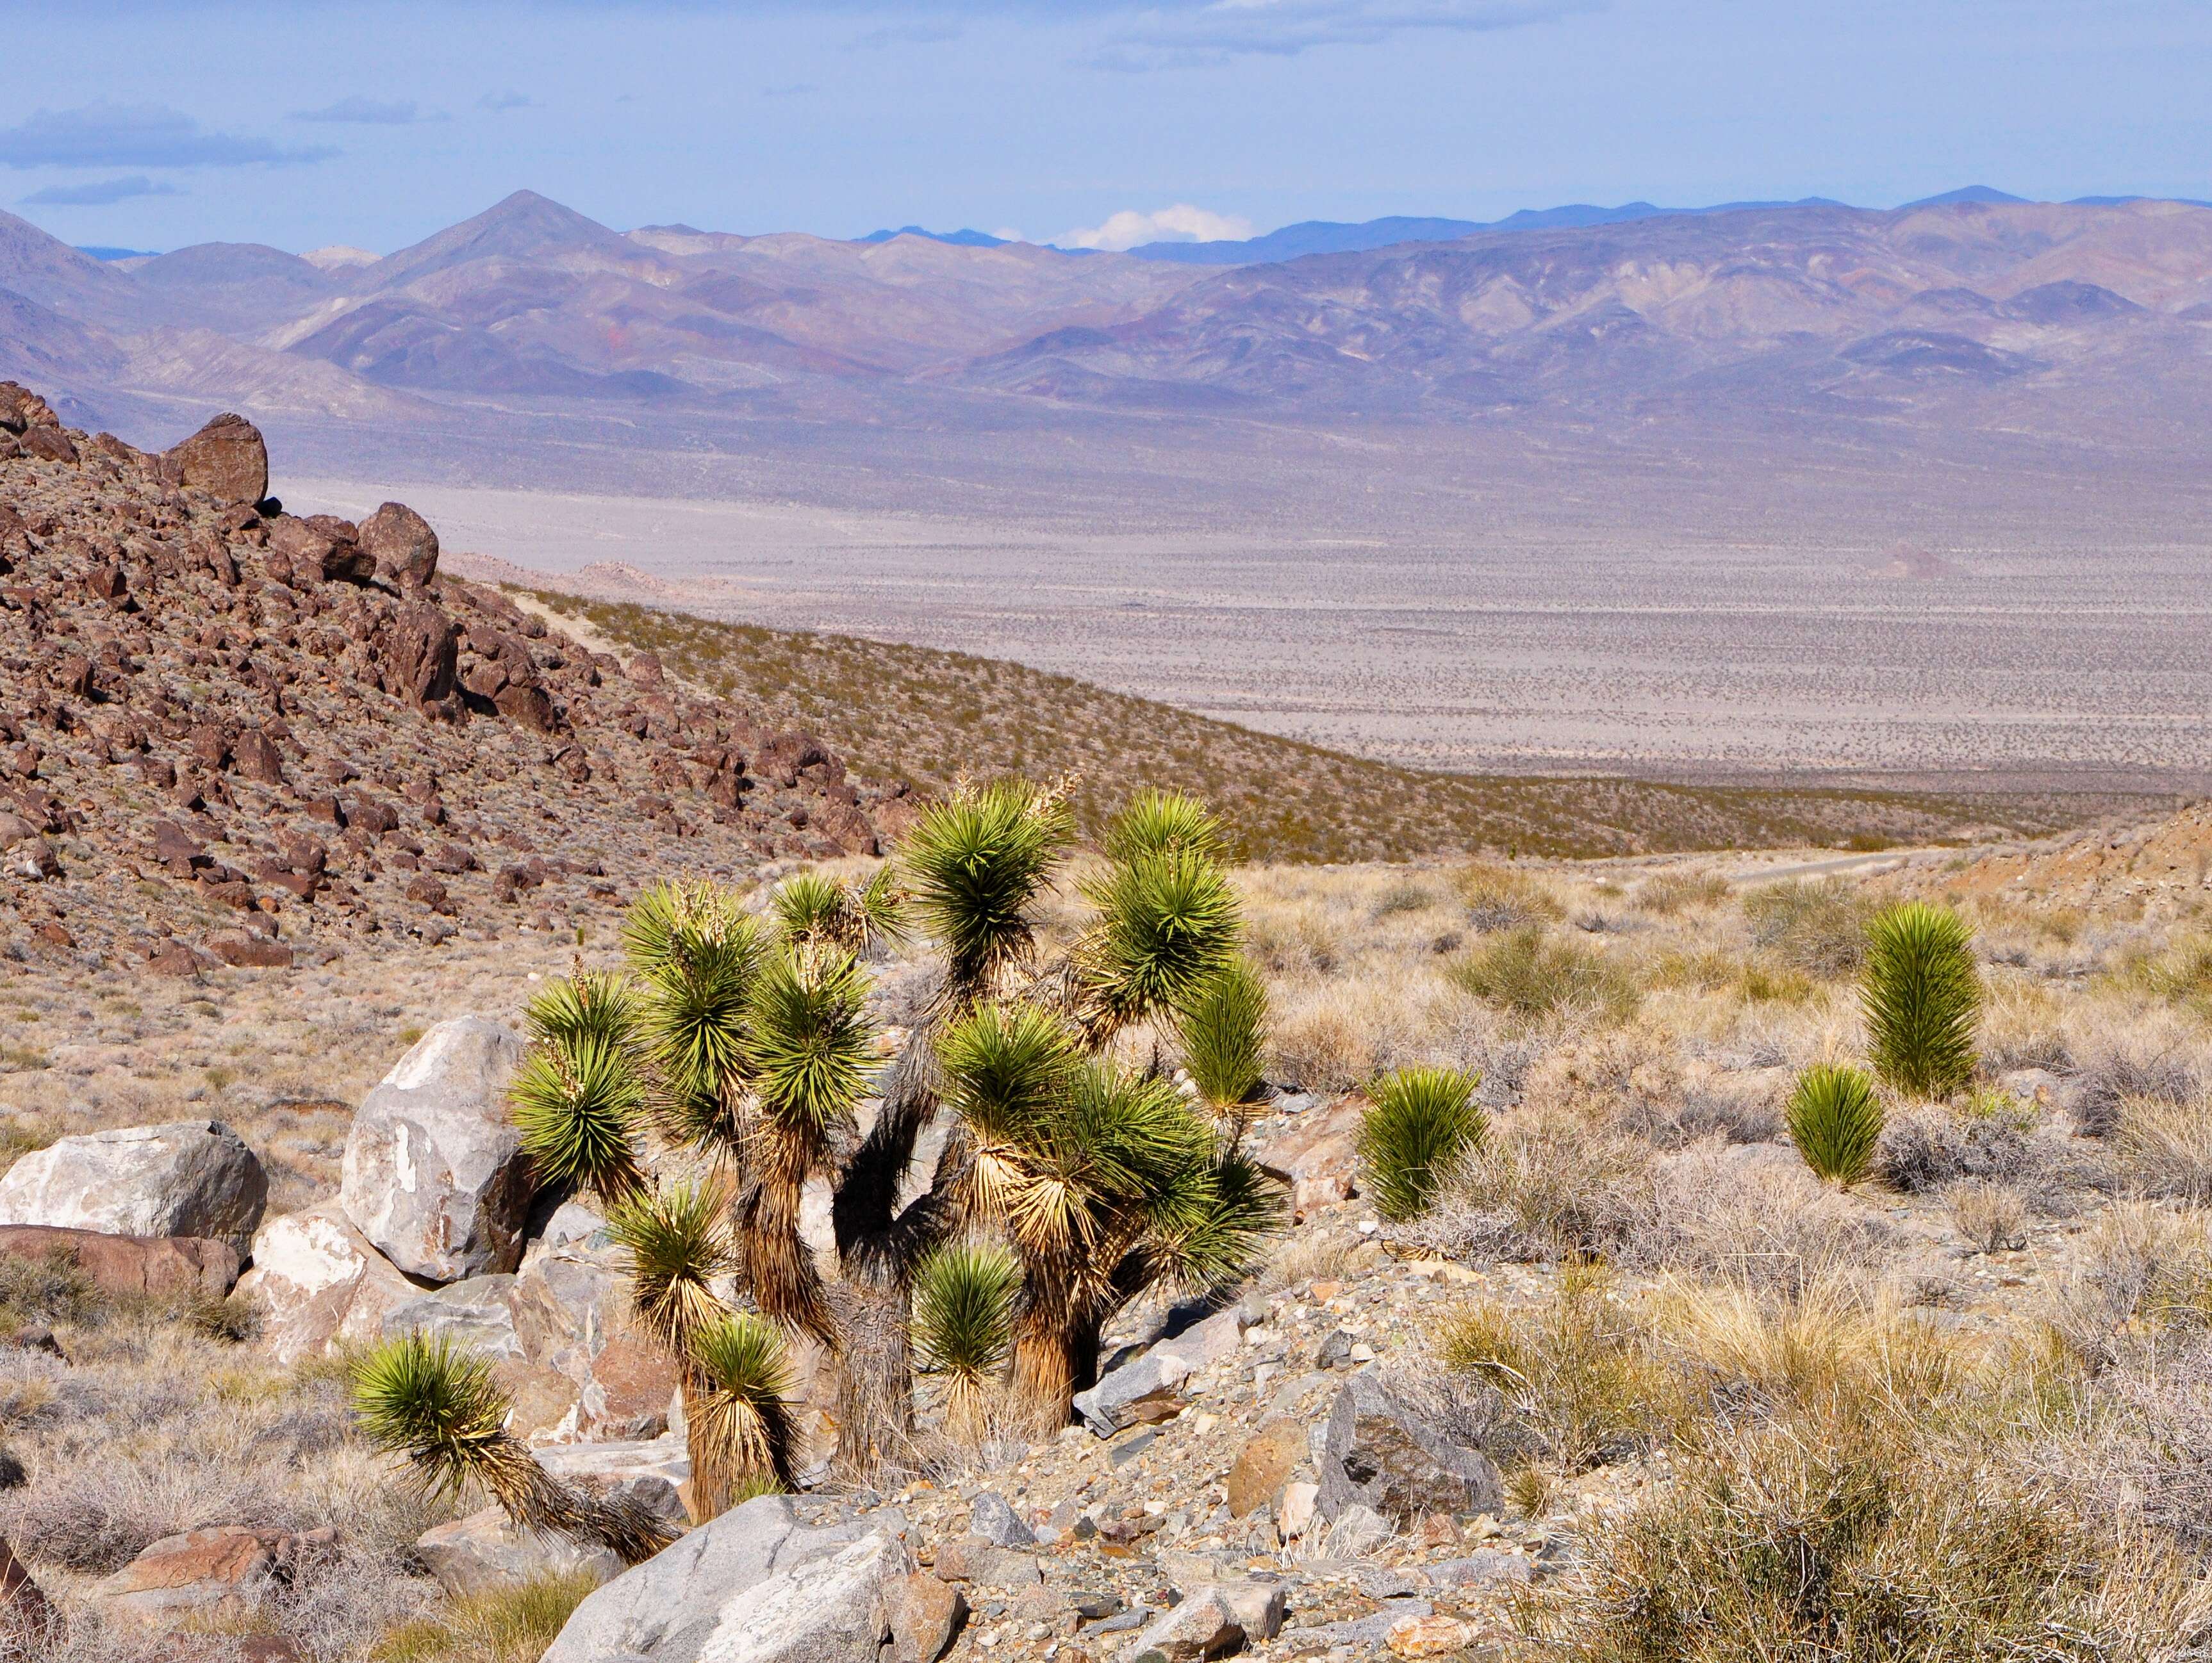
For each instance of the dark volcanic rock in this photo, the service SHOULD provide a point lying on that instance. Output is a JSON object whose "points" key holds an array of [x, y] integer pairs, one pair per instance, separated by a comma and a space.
{"points": [[225, 458]]}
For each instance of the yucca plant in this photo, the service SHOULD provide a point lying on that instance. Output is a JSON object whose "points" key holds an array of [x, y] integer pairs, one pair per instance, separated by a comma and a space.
{"points": [[1224, 1036], [697, 955], [1921, 994], [440, 1410], [1835, 1119], [964, 1299], [975, 864], [815, 910], [743, 1421], [1155, 822], [1105, 1182], [1422, 1122], [1167, 925]]}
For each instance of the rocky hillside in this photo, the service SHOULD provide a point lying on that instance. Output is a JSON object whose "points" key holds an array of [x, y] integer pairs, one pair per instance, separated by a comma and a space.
{"points": [[228, 732]]}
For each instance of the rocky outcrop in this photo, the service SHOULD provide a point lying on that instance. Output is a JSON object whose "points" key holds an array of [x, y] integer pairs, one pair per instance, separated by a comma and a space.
{"points": [[485, 1553], [403, 545], [130, 1265], [217, 1576], [655, 1473], [433, 1173], [318, 1282], [753, 1586], [1381, 1452], [225, 459], [573, 1313], [186, 1178]]}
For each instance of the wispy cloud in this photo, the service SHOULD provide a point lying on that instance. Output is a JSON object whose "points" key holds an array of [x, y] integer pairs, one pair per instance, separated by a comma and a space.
{"points": [[367, 112], [138, 135], [101, 193], [1219, 30], [1181, 224], [500, 103]]}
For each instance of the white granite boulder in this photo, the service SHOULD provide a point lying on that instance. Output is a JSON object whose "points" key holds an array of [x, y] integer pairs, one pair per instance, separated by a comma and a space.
{"points": [[184, 1178]]}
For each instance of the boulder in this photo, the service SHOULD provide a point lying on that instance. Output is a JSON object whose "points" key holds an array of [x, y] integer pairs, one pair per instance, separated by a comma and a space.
{"points": [[202, 1578], [23, 1608], [1317, 1155], [403, 545], [754, 1586], [1202, 1626], [655, 1472], [420, 651], [130, 1265], [474, 1314], [572, 1310], [968, 1559], [225, 459], [1264, 1466], [1380, 1452], [319, 1284], [485, 1553], [184, 1178], [992, 1518], [1149, 1389], [433, 1173], [927, 1614]]}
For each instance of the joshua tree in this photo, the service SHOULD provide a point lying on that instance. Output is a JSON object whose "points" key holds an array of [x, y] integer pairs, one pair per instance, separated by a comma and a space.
{"points": [[440, 1409], [964, 1298], [1923, 998]]}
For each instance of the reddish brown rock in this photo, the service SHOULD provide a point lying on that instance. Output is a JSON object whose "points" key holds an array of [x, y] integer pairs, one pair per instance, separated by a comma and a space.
{"points": [[24, 1613], [256, 757], [49, 444], [225, 459], [129, 1264], [403, 545], [249, 952], [420, 649], [219, 1576]]}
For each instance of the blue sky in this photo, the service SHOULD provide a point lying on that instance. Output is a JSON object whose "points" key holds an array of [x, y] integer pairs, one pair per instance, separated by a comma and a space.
{"points": [[303, 124]]}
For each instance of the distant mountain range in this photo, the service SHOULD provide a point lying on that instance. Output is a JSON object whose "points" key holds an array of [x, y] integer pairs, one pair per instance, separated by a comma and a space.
{"points": [[1976, 309]]}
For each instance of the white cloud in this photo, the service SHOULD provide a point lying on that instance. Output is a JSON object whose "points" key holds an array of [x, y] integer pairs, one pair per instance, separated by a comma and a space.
{"points": [[1215, 31], [1181, 224]]}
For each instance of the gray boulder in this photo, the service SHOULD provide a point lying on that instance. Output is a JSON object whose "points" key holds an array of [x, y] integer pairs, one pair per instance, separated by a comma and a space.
{"points": [[435, 1174], [474, 1314], [186, 1178], [992, 1518], [1149, 1389], [318, 1284], [1379, 1452], [754, 1586], [1202, 1626], [485, 1553], [651, 1471]]}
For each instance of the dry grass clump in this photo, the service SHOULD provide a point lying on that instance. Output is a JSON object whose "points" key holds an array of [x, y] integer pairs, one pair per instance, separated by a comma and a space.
{"points": [[1992, 1216], [1532, 974], [2023, 1027], [1574, 1382], [1666, 893], [1502, 897], [2127, 1066], [1819, 928], [1755, 1218], [1545, 1184], [2163, 1147], [1925, 1147], [504, 1625], [2141, 1268]]}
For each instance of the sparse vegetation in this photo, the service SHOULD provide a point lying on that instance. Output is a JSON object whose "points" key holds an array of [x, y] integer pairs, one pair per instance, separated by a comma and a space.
{"points": [[1422, 1123], [1532, 973]]}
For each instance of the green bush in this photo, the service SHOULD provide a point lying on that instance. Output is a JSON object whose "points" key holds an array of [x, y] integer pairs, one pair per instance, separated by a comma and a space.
{"points": [[1225, 1032], [1424, 1122], [1922, 994], [503, 1625], [1835, 1119], [1532, 974]]}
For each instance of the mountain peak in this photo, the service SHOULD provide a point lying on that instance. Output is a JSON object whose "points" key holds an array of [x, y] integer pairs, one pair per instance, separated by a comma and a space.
{"points": [[521, 226]]}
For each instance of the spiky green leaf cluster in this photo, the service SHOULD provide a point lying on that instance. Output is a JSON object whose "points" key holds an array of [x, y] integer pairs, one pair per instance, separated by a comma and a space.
{"points": [[1921, 994], [1155, 822], [577, 1105], [973, 865], [744, 1422], [964, 1316], [1168, 925], [696, 954], [1422, 1122], [809, 1041], [1835, 1117], [1224, 1032], [438, 1407], [677, 1242], [814, 909]]}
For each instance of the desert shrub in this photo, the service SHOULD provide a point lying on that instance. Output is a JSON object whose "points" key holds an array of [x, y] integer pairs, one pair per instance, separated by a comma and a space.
{"points": [[2139, 1268], [2114, 1073], [503, 1625], [1531, 974], [1923, 1148], [1575, 1380], [1835, 1119], [1422, 1123], [1818, 928], [1544, 1184], [1756, 1219], [41, 1291], [2182, 976], [2021, 1029], [1678, 1120], [1501, 897], [1922, 995], [1992, 1216], [1861, 1539], [2161, 1147], [1668, 893], [1404, 897], [1322, 1047]]}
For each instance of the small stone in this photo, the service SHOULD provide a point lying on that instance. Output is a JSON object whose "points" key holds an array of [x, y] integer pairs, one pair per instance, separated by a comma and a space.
{"points": [[1433, 1636], [995, 1521]]}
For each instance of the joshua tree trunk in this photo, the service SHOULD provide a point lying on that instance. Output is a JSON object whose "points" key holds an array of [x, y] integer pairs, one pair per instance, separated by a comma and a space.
{"points": [[1055, 1356], [875, 1421], [710, 1485], [779, 1266]]}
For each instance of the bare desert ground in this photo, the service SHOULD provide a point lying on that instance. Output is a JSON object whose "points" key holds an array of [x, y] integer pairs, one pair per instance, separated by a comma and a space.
{"points": [[2029, 642]]}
